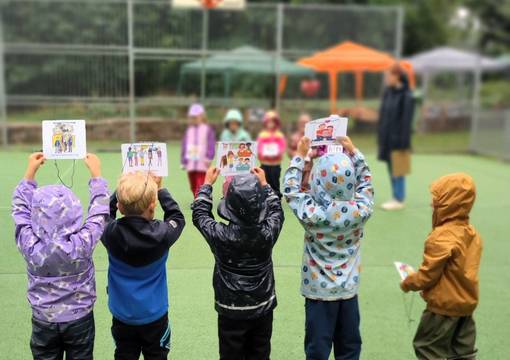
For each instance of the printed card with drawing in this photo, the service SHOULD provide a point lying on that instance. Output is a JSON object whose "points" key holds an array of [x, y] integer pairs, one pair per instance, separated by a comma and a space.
{"points": [[145, 156], [236, 158], [64, 139], [403, 269], [325, 131]]}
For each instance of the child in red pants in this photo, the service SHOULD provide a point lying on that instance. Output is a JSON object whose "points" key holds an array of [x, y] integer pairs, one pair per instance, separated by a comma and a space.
{"points": [[198, 146]]}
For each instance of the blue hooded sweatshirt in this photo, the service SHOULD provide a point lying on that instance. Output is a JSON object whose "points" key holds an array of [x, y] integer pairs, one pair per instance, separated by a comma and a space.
{"points": [[333, 214]]}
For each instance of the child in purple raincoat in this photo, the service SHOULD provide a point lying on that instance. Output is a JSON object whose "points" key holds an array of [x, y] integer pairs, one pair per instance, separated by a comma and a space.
{"points": [[57, 247]]}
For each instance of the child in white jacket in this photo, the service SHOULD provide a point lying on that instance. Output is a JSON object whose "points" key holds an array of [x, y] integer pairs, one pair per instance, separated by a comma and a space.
{"points": [[333, 214]]}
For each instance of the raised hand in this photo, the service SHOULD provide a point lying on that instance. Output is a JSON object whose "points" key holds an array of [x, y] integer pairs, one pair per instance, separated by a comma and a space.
{"points": [[211, 175], [35, 161], [347, 144], [303, 147], [93, 164], [260, 174]]}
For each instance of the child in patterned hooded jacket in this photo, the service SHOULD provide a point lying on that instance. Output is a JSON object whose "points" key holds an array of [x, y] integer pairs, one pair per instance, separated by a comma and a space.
{"points": [[58, 249], [333, 214]]}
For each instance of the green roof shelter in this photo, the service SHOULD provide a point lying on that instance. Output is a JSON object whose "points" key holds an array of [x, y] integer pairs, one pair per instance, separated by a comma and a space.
{"points": [[245, 59]]}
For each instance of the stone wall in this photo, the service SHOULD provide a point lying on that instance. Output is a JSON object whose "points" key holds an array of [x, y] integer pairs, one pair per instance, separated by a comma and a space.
{"points": [[157, 129]]}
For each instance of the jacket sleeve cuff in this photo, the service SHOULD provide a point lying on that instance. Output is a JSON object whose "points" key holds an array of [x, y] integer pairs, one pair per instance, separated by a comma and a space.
{"points": [[297, 162], [28, 183], [205, 193], [97, 181]]}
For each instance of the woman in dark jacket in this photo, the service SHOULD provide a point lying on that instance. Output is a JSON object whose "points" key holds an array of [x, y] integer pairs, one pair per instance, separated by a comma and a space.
{"points": [[243, 277], [394, 133]]}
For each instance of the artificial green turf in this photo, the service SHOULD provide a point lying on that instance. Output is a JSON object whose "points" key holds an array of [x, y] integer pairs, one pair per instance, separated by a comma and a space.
{"points": [[389, 237]]}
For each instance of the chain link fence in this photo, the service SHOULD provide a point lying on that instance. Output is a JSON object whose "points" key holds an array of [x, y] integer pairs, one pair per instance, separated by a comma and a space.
{"points": [[124, 59]]}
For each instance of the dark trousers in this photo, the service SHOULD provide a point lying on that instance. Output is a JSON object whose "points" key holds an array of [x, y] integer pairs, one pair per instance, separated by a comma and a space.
{"points": [[273, 177], [152, 340], [332, 323], [445, 337], [75, 339], [245, 339]]}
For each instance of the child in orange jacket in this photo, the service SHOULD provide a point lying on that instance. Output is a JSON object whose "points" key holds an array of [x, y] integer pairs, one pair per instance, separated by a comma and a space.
{"points": [[448, 277], [271, 146]]}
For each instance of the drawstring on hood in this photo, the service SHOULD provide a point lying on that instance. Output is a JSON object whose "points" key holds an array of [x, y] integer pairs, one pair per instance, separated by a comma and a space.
{"points": [[56, 212]]}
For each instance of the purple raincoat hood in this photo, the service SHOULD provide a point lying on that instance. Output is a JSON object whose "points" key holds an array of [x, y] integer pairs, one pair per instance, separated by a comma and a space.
{"points": [[56, 212]]}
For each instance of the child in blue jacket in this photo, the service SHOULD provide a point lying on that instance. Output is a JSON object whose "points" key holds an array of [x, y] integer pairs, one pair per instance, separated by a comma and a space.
{"points": [[333, 214]]}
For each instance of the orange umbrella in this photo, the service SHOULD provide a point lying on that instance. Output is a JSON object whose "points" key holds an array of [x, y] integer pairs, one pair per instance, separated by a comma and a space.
{"points": [[349, 56]]}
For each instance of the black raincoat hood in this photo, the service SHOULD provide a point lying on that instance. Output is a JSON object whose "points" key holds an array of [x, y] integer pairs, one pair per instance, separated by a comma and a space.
{"points": [[245, 201]]}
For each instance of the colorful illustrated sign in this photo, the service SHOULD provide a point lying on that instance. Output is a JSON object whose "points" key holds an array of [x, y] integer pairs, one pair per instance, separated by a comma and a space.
{"points": [[325, 131], [145, 156], [64, 139], [404, 270], [236, 158]]}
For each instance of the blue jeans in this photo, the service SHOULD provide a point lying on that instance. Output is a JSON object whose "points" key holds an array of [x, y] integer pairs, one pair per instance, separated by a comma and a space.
{"points": [[398, 185], [332, 323]]}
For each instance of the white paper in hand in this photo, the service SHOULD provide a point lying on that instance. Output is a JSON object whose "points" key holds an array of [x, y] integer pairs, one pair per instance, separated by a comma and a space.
{"points": [[145, 156], [64, 139], [325, 131], [236, 158], [403, 269]]}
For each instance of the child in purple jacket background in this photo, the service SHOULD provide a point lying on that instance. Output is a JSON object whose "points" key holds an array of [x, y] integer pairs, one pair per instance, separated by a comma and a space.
{"points": [[198, 147], [57, 248]]}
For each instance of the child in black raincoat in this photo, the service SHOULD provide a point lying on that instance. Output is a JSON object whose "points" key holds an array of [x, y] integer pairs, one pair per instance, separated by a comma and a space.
{"points": [[243, 277]]}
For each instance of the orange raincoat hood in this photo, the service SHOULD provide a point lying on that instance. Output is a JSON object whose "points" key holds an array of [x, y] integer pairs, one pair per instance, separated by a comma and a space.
{"points": [[453, 197]]}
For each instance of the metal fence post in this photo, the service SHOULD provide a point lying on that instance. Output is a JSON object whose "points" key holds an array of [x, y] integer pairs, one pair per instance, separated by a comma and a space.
{"points": [[3, 97], [279, 44], [131, 59], [506, 146], [205, 45], [475, 106], [399, 32]]}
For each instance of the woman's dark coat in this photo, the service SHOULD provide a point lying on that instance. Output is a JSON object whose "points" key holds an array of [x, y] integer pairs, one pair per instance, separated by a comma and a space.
{"points": [[395, 120], [243, 278]]}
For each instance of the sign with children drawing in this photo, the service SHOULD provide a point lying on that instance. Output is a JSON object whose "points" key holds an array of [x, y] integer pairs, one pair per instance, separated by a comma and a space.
{"points": [[64, 139], [145, 156], [403, 269], [236, 158], [325, 131]]}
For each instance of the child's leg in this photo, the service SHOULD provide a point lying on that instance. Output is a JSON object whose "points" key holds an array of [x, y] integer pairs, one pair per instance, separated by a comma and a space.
{"points": [[319, 328], [127, 342], [191, 179], [433, 339], [258, 340], [199, 181], [78, 338], [155, 339], [347, 338], [45, 342], [232, 338], [464, 339]]}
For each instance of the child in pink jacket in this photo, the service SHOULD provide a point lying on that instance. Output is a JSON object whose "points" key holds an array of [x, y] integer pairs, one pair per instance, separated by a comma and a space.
{"points": [[271, 146], [198, 147]]}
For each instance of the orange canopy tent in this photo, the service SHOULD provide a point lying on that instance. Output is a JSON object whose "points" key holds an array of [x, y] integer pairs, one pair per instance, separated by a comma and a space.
{"points": [[351, 57]]}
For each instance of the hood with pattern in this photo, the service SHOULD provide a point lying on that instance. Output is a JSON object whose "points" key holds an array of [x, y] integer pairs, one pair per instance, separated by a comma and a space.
{"points": [[333, 179], [56, 212]]}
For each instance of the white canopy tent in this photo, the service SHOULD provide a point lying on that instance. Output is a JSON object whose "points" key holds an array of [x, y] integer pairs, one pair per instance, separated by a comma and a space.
{"points": [[444, 60]]}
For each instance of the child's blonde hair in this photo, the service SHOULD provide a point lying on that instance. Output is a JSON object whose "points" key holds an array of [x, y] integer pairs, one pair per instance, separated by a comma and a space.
{"points": [[135, 192]]}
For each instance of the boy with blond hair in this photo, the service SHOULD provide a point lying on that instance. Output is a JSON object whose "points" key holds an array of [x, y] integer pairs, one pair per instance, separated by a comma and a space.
{"points": [[448, 276], [137, 246]]}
